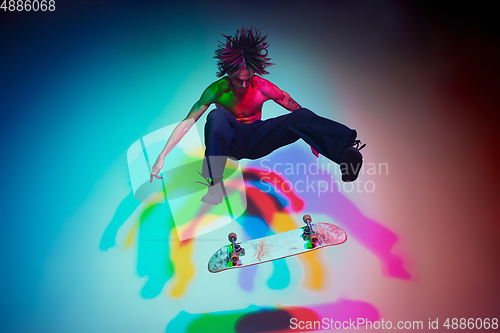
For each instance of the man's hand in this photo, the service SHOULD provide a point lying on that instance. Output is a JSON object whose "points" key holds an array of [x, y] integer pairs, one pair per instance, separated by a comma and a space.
{"points": [[156, 168], [315, 152]]}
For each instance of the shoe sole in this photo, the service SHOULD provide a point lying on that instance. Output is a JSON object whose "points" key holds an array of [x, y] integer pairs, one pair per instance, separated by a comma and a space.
{"points": [[211, 202], [350, 158]]}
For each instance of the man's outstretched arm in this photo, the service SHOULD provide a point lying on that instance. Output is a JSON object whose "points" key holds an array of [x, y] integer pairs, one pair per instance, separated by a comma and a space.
{"points": [[208, 97]]}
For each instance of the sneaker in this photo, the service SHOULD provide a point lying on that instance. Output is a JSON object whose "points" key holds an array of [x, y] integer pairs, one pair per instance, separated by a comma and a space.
{"points": [[214, 195], [351, 162]]}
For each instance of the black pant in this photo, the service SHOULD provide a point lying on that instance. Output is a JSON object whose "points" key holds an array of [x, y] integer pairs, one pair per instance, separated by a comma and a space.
{"points": [[227, 137]]}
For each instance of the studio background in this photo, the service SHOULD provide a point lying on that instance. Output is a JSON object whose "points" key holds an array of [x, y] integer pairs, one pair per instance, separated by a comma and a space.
{"points": [[80, 85]]}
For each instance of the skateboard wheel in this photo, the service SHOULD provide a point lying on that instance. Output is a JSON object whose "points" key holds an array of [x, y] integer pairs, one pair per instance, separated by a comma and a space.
{"points": [[314, 239], [235, 257], [231, 236], [307, 217]]}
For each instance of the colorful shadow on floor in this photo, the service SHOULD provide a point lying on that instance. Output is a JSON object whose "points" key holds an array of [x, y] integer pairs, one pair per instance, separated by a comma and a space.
{"points": [[277, 319]]}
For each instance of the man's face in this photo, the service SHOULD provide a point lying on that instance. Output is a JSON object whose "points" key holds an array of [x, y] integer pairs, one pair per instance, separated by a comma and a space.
{"points": [[242, 77]]}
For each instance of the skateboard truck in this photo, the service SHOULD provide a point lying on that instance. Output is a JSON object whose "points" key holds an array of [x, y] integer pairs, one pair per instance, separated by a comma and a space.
{"points": [[309, 231], [237, 250]]}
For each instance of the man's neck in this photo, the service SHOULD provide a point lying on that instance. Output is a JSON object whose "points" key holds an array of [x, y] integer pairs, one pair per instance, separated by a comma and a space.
{"points": [[240, 85]]}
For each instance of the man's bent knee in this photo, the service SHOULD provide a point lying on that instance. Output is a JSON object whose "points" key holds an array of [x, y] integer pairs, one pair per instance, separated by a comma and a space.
{"points": [[218, 113], [303, 113]]}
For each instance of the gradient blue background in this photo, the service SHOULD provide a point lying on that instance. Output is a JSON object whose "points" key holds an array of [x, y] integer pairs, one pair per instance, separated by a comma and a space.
{"points": [[79, 85]]}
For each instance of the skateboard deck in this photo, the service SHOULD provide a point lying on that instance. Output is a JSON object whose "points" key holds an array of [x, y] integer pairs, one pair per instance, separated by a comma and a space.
{"points": [[275, 247]]}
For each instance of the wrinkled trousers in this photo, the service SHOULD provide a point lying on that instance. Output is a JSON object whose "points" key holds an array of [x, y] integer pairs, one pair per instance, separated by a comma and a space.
{"points": [[227, 137]]}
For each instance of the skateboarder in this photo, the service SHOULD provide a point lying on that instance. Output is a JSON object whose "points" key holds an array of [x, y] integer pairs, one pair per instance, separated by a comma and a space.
{"points": [[235, 128]]}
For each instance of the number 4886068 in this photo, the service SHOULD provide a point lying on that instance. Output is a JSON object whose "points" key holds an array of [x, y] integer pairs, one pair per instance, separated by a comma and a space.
{"points": [[28, 5], [471, 323]]}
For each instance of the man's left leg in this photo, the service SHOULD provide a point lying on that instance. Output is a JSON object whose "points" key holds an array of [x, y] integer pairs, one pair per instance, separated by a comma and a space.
{"points": [[330, 138]]}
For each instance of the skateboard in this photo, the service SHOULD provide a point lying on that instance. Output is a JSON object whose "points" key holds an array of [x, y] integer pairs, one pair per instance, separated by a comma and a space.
{"points": [[308, 238]]}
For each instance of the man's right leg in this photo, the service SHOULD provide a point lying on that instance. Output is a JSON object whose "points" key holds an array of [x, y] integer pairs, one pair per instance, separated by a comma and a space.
{"points": [[222, 132]]}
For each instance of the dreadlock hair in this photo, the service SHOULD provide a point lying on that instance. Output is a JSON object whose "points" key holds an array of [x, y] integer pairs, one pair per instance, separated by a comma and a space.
{"points": [[246, 49]]}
